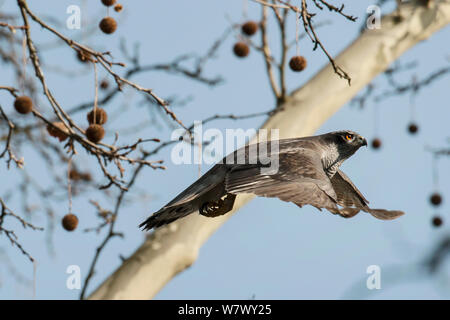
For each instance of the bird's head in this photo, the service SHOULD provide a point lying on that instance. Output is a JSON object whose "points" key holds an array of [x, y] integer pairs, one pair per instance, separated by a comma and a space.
{"points": [[347, 142]]}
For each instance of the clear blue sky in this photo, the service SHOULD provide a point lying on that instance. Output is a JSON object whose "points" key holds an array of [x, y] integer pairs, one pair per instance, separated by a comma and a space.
{"points": [[269, 249]]}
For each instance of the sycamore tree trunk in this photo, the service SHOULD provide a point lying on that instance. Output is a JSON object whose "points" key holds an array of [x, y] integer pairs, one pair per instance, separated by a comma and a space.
{"points": [[171, 249]]}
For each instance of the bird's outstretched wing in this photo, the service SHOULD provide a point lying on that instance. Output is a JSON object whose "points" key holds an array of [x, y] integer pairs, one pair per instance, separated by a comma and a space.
{"points": [[211, 187], [299, 160], [300, 179], [352, 200]]}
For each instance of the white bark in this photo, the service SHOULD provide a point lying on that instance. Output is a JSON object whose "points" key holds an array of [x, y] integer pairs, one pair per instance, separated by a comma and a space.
{"points": [[173, 248]]}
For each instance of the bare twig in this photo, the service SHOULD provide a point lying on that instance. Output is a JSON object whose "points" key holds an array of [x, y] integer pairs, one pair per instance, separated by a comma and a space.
{"points": [[308, 26], [335, 9], [98, 55], [11, 27], [267, 54], [414, 85], [5, 211], [19, 162]]}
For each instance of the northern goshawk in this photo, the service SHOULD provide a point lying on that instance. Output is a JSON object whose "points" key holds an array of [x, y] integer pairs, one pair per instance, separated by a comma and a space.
{"points": [[307, 172]]}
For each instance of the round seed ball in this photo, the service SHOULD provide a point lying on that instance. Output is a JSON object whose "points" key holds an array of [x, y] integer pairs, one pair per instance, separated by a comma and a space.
{"points": [[249, 28], [118, 7], [23, 104], [241, 49], [437, 221], [108, 25], [297, 63], [413, 128], [108, 3], [70, 222], [100, 116], [95, 133], [376, 143], [436, 199], [59, 132]]}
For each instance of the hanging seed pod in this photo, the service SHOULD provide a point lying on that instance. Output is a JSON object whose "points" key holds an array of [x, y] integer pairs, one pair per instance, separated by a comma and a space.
{"points": [[413, 128], [297, 63], [95, 133], [436, 199], [241, 49], [108, 3], [437, 221], [100, 116], [23, 104], [108, 25], [249, 28], [70, 222], [376, 143]]}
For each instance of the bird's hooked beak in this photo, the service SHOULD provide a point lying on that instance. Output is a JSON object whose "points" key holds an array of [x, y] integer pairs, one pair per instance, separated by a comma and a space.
{"points": [[363, 141]]}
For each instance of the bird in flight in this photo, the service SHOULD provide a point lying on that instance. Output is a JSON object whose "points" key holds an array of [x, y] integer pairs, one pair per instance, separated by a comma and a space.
{"points": [[307, 172]]}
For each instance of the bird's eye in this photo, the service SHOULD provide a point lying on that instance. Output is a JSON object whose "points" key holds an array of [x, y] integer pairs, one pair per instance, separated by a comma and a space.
{"points": [[349, 137]]}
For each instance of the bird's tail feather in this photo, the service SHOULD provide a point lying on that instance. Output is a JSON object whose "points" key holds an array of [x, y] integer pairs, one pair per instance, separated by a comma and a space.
{"points": [[167, 215], [385, 214]]}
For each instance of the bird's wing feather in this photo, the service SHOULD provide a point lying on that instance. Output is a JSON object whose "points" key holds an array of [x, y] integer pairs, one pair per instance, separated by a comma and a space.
{"points": [[204, 184], [300, 179], [215, 176], [347, 193], [209, 187], [383, 214], [349, 197]]}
